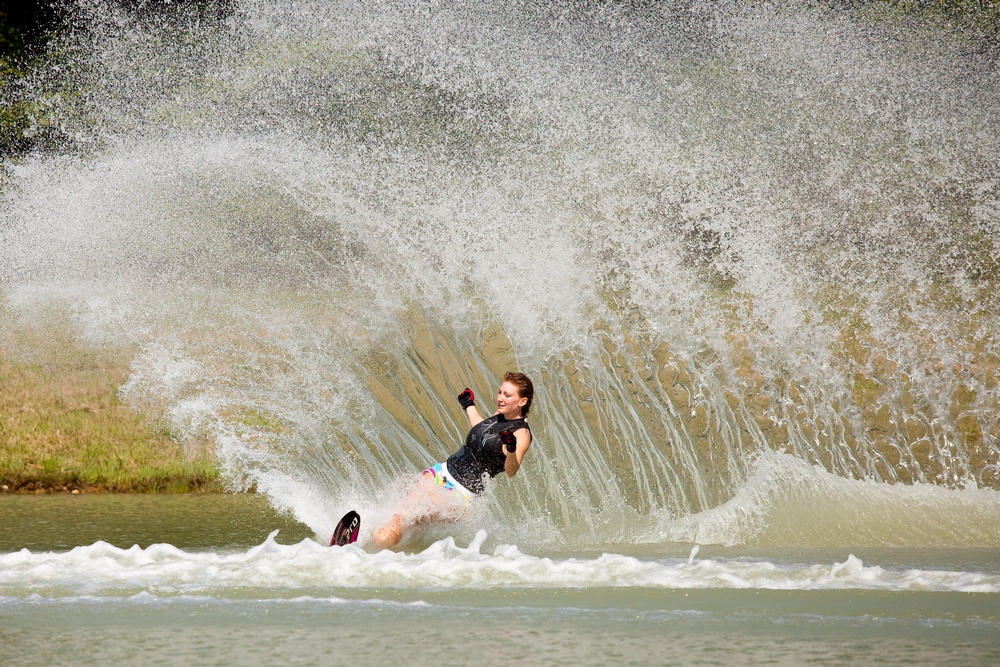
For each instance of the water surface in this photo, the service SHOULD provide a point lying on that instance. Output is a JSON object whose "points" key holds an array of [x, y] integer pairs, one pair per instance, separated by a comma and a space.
{"points": [[217, 595]]}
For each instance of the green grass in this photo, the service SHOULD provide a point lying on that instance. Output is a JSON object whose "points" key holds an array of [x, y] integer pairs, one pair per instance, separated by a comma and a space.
{"points": [[63, 428]]}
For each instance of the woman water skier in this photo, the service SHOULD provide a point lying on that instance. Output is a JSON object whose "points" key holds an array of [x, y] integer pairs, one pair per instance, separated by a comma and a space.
{"points": [[493, 445]]}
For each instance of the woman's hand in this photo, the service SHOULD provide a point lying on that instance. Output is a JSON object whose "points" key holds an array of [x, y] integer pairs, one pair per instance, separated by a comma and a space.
{"points": [[514, 446], [508, 441], [466, 399]]}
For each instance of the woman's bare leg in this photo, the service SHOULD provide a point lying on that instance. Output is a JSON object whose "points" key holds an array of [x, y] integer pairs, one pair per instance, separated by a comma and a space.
{"points": [[427, 502], [391, 533]]}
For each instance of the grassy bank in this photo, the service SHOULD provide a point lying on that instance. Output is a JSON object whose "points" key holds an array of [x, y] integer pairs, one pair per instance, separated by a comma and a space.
{"points": [[63, 429]]}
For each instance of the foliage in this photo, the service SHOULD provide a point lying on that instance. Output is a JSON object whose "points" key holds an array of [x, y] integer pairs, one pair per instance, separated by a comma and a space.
{"points": [[62, 426]]}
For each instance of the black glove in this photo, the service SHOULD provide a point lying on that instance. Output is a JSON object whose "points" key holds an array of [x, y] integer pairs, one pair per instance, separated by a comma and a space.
{"points": [[508, 440], [467, 399]]}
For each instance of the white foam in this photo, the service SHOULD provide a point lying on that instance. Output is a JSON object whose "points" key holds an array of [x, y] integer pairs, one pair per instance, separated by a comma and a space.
{"points": [[165, 571]]}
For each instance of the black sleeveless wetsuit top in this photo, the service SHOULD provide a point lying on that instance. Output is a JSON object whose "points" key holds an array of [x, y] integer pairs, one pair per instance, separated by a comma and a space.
{"points": [[482, 453]]}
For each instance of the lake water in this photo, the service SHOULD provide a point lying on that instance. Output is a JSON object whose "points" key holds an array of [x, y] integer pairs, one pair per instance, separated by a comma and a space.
{"points": [[195, 580]]}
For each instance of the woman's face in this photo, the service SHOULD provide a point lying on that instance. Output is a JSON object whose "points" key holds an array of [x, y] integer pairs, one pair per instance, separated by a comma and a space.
{"points": [[509, 402]]}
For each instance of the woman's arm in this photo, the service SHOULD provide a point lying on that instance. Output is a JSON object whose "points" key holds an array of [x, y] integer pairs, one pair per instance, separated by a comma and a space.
{"points": [[473, 414], [467, 400], [522, 437]]}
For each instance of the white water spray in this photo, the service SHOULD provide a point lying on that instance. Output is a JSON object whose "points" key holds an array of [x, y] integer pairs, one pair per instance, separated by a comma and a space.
{"points": [[706, 233]]}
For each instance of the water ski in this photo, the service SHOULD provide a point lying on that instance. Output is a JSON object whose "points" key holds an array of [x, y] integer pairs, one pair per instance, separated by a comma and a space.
{"points": [[346, 531]]}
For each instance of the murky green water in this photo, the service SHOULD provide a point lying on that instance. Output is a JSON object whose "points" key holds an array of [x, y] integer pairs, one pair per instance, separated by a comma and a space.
{"points": [[62, 521]]}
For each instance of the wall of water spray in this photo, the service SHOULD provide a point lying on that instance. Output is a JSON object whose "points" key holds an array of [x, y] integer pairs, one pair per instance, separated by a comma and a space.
{"points": [[708, 232]]}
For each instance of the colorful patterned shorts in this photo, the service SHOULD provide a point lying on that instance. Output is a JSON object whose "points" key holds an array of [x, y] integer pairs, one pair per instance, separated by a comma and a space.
{"points": [[439, 474]]}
